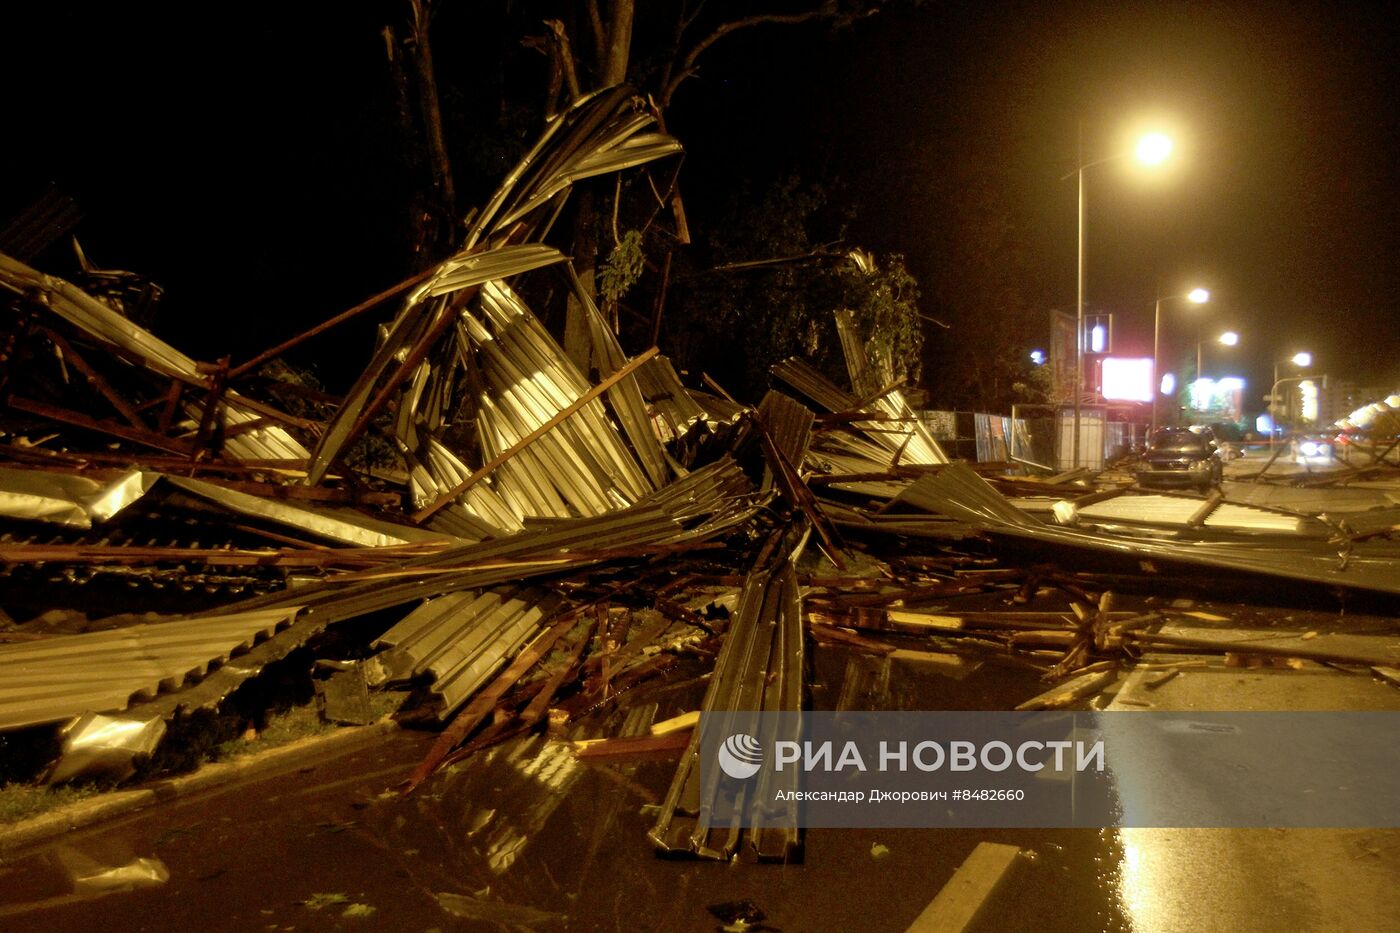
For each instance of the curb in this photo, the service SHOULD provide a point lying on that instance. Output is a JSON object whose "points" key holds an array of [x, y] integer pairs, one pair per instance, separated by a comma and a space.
{"points": [[119, 803]]}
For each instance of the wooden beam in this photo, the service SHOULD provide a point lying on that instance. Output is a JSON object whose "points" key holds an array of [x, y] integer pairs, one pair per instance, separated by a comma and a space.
{"points": [[95, 378], [326, 325], [486, 700], [55, 413], [962, 900]]}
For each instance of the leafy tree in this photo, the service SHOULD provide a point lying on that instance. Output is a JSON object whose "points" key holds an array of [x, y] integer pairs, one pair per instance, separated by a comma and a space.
{"points": [[773, 273]]}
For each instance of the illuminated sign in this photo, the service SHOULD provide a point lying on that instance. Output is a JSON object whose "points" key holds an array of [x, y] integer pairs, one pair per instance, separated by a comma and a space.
{"points": [[1128, 380], [1098, 333]]}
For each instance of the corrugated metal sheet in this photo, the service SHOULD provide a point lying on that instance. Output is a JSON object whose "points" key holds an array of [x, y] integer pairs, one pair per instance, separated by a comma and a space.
{"points": [[1178, 510], [58, 678], [68, 499], [346, 526], [461, 639], [789, 424], [447, 346], [959, 493], [107, 326], [759, 669], [895, 436], [705, 503], [673, 408]]}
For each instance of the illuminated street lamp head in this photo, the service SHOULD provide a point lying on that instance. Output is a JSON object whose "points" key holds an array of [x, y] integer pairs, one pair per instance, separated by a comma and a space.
{"points": [[1198, 296], [1302, 359], [1229, 338], [1154, 149]]}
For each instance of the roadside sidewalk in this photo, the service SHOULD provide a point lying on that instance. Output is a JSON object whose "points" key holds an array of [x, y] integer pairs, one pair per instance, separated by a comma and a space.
{"points": [[209, 776]]}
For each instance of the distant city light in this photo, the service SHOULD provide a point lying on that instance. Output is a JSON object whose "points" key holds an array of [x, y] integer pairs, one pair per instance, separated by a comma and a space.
{"points": [[1217, 394], [1127, 380], [1168, 383], [1202, 390], [1038, 357]]}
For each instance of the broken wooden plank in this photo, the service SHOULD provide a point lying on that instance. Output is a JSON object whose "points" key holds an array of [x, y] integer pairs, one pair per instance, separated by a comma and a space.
{"points": [[485, 701], [1198, 517], [326, 325], [668, 743], [963, 899], [1072, 691], [77, 420], [1390, 675]]}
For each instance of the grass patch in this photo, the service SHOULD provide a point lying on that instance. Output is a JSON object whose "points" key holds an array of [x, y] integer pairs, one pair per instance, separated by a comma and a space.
{"points": [[299, 722], [21, 801]]}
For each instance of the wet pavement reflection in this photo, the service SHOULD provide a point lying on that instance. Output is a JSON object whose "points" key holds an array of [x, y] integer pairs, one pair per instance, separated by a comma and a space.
{"points": [[525, 836]]}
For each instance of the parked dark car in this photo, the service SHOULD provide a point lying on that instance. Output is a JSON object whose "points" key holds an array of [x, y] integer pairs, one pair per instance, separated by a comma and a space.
{"points": [[1177, 457]]}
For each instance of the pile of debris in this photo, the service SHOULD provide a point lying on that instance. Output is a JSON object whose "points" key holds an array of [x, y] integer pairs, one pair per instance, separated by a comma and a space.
{"points": [[526, 541]]}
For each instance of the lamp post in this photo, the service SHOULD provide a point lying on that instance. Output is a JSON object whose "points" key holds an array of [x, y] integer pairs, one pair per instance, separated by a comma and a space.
{"points": [[1302, 359], [1152, 149], [1198, 296]]}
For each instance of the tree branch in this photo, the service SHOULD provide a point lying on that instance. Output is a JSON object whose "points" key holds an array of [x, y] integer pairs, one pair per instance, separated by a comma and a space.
{"points": [[826, 10]]}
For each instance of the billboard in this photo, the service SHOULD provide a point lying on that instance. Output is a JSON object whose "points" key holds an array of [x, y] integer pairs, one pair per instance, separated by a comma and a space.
{"points": [[1063, 350], [1126, 379]]}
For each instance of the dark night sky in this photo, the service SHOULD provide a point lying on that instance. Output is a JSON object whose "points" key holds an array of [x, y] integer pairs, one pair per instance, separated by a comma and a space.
{"points": [[229, 160]]}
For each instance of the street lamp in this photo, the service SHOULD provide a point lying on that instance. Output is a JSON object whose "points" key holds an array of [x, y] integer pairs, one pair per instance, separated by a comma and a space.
{"points": [[1197, 296], [1302, 359], [1227, 339], [1152, 149]]}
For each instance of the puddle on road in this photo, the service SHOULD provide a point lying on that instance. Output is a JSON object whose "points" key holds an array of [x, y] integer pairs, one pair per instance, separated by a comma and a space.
{"points": [[525, 836]]}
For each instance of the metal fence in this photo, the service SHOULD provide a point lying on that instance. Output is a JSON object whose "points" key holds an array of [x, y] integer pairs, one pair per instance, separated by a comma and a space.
{"points": [[1040, 436]]}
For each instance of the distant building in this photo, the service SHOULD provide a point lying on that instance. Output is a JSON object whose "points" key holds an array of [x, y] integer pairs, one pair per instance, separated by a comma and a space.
{"points": [[1340, 397]]}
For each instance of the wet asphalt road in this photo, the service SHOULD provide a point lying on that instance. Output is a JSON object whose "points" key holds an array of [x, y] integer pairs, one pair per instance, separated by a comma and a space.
{"points": [[526, 837]]}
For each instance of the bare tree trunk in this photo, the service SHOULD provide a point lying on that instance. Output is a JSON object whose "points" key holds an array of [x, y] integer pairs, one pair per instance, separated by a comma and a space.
{"points": [[619, 44], [577, 341], [419, 213], [439, 165]]}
